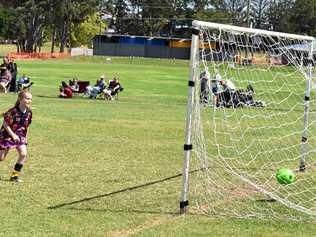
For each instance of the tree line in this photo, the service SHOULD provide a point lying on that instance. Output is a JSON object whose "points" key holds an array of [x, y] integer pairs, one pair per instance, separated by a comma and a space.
{"points": [[69, 23], [32, 22]]}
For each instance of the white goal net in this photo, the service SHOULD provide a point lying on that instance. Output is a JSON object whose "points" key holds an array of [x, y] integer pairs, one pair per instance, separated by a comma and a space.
{"points": [[251, 112]]}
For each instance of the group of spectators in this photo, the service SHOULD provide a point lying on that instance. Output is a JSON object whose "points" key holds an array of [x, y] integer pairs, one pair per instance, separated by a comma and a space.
{"points": [[223, 93], [107, 91], [8, 77], [9, 83]]}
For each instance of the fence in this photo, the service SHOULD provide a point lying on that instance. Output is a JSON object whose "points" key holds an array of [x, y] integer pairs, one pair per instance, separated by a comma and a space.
{"points": [[23, 55], [141, 46]]}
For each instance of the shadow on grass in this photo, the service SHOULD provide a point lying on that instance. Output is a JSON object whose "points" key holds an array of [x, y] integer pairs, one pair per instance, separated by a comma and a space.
{"points": [[266, 200], [47, 96], [80, 96], [132, 188], [120, 191]]}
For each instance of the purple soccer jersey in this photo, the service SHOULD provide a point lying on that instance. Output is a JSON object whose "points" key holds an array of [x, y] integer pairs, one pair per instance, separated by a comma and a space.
{"points": [[19, 123]]}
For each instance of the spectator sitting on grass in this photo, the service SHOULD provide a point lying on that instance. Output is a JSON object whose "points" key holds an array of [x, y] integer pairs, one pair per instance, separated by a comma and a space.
{"points": [[113, 89], [93, 91], [74, 85], [24, 83], [5, 79], [65, 91]]}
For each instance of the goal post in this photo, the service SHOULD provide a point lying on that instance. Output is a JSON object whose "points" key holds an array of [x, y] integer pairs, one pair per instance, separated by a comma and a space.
{"points": [[194, 61], [309, 77], [250, 111]]}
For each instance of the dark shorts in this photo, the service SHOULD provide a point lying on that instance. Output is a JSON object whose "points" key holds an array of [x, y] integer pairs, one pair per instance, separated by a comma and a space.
{"points": [[215, 90]]}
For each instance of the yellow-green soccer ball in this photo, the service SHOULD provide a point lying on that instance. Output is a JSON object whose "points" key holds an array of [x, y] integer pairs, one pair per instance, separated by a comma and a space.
{"points": [[285, 176]]}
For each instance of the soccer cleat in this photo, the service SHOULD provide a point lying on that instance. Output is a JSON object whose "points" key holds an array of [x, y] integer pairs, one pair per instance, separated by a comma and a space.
{"points": [[15, 179], [15, 176]]}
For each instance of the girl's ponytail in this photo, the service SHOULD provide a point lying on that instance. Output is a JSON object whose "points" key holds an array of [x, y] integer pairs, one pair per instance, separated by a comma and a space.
{"points": [[20, 97]]}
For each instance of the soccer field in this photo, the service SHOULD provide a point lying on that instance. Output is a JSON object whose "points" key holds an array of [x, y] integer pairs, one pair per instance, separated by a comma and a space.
{"points": [[110, 168]]}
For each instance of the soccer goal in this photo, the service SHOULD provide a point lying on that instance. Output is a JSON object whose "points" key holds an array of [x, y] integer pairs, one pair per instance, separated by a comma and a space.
{"points": [[251, 111]]}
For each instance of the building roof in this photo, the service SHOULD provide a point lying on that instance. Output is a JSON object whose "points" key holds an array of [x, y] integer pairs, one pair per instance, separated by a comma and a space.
{"points": [[145, 37]]}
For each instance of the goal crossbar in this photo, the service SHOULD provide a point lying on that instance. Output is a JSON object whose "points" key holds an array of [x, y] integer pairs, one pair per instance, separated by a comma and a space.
{"points": [[250, 30]]}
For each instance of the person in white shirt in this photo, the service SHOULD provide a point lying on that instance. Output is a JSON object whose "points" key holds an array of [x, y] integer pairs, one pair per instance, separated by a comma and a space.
{"points": [[227, 93]]}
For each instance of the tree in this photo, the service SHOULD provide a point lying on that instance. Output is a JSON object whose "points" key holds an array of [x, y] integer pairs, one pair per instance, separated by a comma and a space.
{"points": [[30, 20], [146, 17], [278, 14], [258, 11], [303, 17], [65, 15], [120, 12], [26, 23], [4, 22], [236, 9], [83, 33]]}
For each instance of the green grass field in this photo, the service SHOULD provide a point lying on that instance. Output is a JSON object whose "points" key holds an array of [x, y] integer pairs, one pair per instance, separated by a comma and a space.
{"points": [[110, 168]]}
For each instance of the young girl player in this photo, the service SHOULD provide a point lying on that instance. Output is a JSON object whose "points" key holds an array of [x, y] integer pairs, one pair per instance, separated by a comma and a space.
{"points": [[14, 131]]}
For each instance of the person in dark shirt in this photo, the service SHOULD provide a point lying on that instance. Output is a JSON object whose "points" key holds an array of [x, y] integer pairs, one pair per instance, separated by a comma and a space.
{"points": [[205, 87], [113, 89], [74, 85], [13, 68]]}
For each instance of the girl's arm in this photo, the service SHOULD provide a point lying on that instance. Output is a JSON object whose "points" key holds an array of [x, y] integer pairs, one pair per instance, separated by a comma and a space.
{"points": [[11, 133]]}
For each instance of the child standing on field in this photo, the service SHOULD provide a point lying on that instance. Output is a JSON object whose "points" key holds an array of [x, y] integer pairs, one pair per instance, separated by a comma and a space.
{"points": [[14, 130]]}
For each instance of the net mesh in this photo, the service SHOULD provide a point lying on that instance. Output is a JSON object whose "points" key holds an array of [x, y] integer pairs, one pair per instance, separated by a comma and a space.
{"points": [[250, 119]]}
